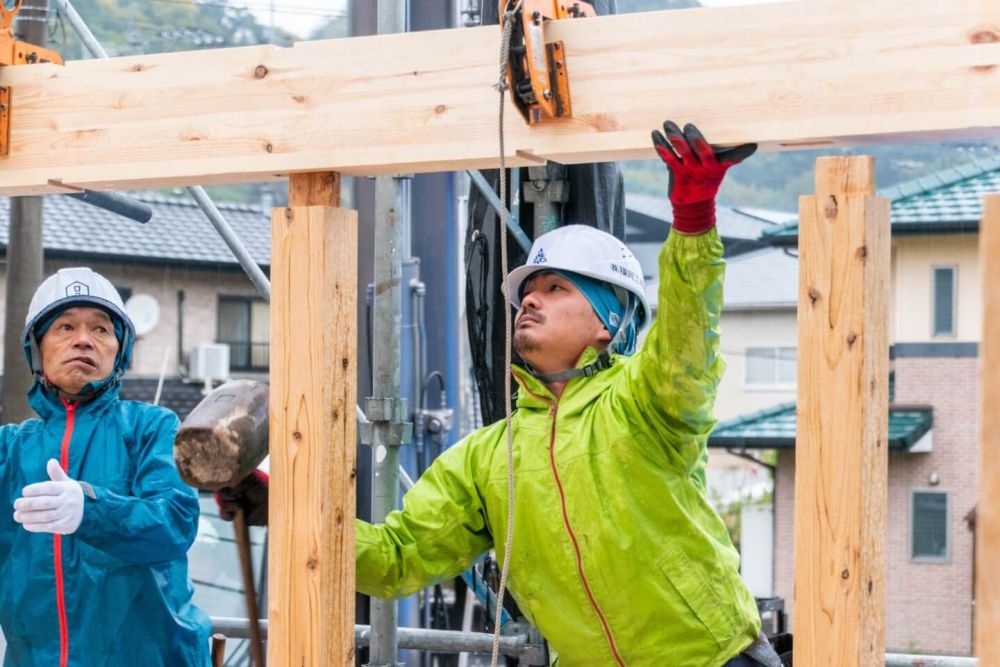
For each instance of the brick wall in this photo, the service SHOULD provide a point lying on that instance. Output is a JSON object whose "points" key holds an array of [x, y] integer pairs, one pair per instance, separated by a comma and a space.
{"points": [[929, 605]]}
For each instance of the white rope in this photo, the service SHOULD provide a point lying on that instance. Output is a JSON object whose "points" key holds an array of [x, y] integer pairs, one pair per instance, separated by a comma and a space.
{"points": [[501, 86]]}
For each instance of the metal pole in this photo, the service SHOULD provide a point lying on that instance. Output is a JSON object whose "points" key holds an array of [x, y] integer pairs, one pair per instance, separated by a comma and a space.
{"points": [[385, 405], [513, 224], [205, 202], [519, 644], [239, 250]]}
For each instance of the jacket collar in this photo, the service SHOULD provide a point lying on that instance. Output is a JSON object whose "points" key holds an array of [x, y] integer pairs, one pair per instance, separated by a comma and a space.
{"points": [[47, 403], [535, 394]]}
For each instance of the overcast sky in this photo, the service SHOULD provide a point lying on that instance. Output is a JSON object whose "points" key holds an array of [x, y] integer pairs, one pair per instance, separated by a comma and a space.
{"points": [[299, 17]]}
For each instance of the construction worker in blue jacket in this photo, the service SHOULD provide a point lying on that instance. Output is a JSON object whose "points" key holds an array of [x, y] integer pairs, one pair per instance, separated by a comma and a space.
{"points": [[97, 525]]}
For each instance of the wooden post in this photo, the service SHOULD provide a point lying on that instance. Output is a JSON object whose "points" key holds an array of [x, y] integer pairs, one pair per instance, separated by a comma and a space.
{"points": [[988, 507], [312, 444], [841, 445]]}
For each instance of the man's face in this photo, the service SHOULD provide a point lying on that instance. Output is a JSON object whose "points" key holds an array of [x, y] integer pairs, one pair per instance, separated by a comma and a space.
{"points": [[78, 348], [555, 324]]}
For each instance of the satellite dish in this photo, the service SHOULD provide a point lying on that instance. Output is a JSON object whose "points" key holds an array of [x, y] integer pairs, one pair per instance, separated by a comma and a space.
{"points": [[144, 311]]}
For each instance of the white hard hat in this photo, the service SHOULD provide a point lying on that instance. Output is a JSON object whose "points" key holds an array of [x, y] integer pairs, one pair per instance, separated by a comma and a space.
{"points": [[67, 287], [589, 252]]}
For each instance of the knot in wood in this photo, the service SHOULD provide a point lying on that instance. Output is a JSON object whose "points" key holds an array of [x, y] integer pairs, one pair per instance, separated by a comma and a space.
{"points": [[845, 574], [269, 148], [830, 207], [259, 72], [983, 35], [296, 435], [814, 295]]}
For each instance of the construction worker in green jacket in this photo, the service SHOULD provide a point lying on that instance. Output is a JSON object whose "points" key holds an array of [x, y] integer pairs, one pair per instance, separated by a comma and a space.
{"points": [[617, 556]]}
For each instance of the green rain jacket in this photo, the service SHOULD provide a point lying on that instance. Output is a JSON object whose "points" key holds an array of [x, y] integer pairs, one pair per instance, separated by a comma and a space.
{"points": [[618, 558]]}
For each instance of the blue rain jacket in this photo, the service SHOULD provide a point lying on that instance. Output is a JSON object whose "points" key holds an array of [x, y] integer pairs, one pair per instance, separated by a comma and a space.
{"points": [[125, 584]]}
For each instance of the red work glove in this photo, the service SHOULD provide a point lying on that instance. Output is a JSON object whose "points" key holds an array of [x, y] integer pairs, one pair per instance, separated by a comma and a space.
{"points": [[696, 172], [250, 494]]}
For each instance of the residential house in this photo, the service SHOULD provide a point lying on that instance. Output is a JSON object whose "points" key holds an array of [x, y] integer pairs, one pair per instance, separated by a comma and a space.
{"points": [[935, 324]]}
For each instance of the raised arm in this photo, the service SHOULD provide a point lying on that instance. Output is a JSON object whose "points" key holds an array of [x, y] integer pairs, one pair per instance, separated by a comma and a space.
{"points": [[673, 379]]}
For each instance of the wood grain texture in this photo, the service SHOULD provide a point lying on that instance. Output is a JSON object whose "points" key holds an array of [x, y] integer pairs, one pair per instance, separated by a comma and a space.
{"points": [[988, 507], [791, 75], [314, 189], [312, 443], [841, 445]]}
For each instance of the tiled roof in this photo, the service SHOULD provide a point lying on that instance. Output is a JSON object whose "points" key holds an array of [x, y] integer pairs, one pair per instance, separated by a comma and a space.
{"points": [[734, 223], [766, 278], [774, 428], [178, 232], [947, 201]]}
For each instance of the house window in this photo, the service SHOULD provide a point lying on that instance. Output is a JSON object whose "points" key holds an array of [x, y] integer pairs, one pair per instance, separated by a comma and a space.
{"points": [[929, 526], [944, 300], [244, 325], [771, 366]]}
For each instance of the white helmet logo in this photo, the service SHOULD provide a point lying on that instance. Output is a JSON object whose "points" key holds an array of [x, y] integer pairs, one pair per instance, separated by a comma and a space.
{"points": [[77, 288], [539, 257]]}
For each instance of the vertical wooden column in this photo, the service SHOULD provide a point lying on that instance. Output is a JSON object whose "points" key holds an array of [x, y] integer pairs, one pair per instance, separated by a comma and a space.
{"points": [[841, 444], [988, 507], [312, 497]]}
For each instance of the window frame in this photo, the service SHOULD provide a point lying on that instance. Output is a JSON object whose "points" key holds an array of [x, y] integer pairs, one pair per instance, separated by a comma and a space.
{"points": [[774, 384], [246, 300], [938, 560], [954, 301]]}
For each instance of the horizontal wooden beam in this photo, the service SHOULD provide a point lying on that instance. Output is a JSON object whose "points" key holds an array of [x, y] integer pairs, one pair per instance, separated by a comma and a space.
{"points": [[786, 75]]}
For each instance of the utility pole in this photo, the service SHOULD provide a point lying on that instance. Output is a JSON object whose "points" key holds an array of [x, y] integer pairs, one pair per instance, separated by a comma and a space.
{"points": [[24, 253]]}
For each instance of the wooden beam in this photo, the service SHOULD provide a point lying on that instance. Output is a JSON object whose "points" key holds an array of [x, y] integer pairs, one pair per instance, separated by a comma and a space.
{"points": [[313, 357], [786, 75], [314, 189], [841, 446], [988, 507]]}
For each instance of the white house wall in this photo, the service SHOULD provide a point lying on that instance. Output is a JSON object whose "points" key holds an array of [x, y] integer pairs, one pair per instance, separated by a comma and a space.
{"points": [[743, 329]]}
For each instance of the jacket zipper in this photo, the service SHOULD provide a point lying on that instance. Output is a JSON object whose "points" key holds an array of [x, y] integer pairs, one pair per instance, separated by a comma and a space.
{"points": [[576, 547], [57, 541]]}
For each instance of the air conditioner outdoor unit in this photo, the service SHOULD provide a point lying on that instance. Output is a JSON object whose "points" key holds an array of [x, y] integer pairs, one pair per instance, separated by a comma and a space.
{"points": [[209, 361]]}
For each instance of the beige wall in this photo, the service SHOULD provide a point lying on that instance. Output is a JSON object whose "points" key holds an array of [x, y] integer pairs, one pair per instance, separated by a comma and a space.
{"points": [[913, 259], [201, 288], [740, 330]]}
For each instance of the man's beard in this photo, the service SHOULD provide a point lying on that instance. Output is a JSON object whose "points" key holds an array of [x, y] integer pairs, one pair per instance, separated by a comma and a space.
{"points": [[523, 341]]}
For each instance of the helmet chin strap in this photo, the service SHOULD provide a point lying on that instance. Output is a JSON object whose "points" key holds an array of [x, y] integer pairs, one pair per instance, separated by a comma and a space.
{"points": [[604, 359]]}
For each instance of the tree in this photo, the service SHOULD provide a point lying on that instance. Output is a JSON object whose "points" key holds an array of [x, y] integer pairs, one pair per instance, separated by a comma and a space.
{"points": [[126, 27]]}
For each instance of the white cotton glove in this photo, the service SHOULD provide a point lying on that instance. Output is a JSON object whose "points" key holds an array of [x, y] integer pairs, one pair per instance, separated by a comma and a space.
{"points": [[51, 507]]}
